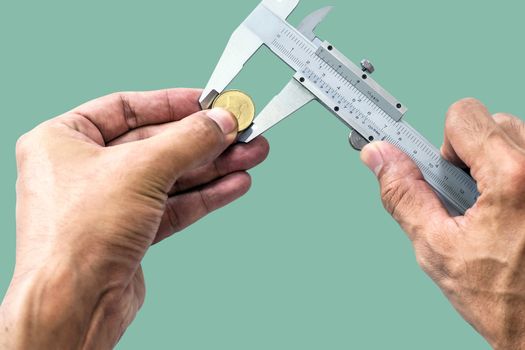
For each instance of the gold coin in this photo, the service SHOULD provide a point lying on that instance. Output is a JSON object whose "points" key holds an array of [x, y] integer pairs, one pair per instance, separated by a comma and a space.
{"points": [[239, 104]]}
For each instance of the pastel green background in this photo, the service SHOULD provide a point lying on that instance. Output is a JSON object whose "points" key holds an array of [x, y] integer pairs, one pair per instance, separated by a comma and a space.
{"points": [[308, 259]]}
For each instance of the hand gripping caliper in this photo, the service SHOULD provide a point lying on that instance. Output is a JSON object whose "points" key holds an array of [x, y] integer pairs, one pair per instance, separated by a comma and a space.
{"points": [[324, 74]]}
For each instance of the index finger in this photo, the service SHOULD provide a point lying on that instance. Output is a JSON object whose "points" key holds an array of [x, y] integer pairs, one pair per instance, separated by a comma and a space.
{"points": [[473, 137], [115, 114]]}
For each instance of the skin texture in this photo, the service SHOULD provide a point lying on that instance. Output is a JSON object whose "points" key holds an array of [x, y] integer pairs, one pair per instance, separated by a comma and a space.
{"points": [[96, 188], [478, 260], [100, 184]]}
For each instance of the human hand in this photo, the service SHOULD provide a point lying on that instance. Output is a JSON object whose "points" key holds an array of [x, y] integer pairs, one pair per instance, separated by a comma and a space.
{"points": [[478, 260], [96, 187]]}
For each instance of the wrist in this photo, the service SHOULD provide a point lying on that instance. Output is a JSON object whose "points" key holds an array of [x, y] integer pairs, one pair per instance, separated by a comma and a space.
{"points": [[55, 306]]}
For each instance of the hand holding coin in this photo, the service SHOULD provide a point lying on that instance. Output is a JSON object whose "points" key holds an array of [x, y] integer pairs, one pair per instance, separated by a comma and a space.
{"points": [[239, 104]]}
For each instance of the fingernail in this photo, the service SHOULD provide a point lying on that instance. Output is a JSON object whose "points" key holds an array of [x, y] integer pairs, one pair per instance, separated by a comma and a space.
{"points": [[372, 157], [224, 119]]}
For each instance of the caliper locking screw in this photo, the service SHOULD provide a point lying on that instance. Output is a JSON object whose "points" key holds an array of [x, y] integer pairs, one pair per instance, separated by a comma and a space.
{"points": [[367, 66]]}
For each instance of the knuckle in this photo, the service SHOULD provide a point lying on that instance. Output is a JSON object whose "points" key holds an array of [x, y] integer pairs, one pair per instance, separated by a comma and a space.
{"points": [[512, 171], [510, 124], [461, 107], [118, 97], [432, 265], [28, 143], [21, 147], [34, 141], [424, 260], [460, 118]]}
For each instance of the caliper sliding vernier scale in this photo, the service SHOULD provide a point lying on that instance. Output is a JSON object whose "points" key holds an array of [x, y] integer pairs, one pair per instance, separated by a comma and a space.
{"points": [[324, 74]]}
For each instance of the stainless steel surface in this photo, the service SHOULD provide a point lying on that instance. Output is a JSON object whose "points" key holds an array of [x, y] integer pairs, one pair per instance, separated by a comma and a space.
{"points": [[290, 99], [367, 66], [362, 81], [241, 46], [310, 22], [282, 8], [342, 87]]}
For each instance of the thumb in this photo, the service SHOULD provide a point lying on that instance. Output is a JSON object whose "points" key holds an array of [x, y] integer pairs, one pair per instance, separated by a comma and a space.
{"points": [[189, 143], [404, 192]]}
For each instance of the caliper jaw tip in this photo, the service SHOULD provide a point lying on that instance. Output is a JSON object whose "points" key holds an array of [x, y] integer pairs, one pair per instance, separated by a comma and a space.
{"points": [[310, 22], [247, 135], [207, 98]]}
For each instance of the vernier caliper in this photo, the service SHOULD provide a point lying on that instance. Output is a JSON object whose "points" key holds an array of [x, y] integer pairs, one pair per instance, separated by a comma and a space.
{"points": [[322, 73]]}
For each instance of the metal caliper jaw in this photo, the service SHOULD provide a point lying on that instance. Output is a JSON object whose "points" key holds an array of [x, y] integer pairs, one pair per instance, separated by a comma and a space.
{"points": [[241, 47], [290, 99]]}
